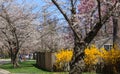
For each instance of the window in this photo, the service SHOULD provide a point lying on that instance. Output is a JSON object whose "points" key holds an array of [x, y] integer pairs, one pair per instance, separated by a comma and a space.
{"points": [[107, 46]]}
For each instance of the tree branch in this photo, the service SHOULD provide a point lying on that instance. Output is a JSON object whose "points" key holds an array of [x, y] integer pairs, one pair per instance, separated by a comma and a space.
{"points": [[90, 36], [99, 10], [60, 9], [70, 21]]}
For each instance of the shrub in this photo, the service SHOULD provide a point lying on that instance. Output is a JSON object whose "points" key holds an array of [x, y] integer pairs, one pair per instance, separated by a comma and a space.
{"points": [[111, 60], [63, 57], [92, 55]]}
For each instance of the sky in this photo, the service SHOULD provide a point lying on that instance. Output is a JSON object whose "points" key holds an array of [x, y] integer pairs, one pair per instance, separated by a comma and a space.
{"points": [[52, 9], [40, 3]]}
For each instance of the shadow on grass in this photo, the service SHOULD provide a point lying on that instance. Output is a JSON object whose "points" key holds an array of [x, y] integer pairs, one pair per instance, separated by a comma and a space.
{"points": [[35, 65], [50, 72]]}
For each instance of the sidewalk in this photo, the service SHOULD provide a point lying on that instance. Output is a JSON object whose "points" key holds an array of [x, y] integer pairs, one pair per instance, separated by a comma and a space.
{"points": [[2, 71], [3, 61]]}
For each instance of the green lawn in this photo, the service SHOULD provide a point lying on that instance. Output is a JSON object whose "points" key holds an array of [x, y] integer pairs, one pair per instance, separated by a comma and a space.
{"points": [[88, 73], [27, 67]]}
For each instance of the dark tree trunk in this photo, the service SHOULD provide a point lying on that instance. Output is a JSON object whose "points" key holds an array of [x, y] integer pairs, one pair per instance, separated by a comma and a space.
{"points": [[14, 60], [115, 29], [14, 57], [77, 64], [115, 32]]}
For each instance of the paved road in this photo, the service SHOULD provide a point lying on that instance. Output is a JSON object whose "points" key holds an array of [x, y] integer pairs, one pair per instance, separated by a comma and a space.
{"points": [[3, 61]]}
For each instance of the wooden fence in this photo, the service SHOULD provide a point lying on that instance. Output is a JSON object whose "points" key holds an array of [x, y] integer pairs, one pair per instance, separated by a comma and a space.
{"points": [[45, 60]]}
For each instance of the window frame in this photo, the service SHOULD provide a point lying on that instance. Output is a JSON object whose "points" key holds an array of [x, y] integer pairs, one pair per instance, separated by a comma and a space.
{"points": [[109, 46]]}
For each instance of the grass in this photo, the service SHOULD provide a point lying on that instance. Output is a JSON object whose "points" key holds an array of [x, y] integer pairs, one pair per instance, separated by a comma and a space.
{"points": [[88, 73], [27, 67]]}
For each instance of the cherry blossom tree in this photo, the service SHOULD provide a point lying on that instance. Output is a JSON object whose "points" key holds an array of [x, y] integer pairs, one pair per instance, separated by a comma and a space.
{"points": [[93, 14], [16, 26]]}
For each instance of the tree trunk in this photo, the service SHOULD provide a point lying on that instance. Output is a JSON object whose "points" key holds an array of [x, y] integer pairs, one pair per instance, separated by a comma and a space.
{"points": [[77, 64], [14, 61], [115, 29], [14, 58]]}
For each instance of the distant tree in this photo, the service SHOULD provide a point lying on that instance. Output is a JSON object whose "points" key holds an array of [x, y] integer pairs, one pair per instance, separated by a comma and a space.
{"points": [[51, 35], [16, 26]]}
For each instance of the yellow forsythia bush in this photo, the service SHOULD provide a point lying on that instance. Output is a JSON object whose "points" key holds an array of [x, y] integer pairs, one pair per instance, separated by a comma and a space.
{"points": [[63, 57], [111, 60], [111, 56], [91, 55], [91, 58]]}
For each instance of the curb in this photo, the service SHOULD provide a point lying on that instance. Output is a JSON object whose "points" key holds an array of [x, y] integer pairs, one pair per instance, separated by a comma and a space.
{"points": [[2, 71]]}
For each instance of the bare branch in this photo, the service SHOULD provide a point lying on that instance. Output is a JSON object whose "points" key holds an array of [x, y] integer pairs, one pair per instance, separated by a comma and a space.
{"points": [[98, 25]]}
